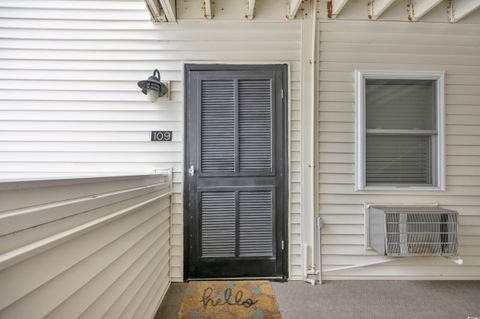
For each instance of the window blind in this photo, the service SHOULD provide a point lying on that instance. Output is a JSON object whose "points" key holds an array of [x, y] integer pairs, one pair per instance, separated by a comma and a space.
{"points": [[400, 123], [398, 159], [400, 104]]}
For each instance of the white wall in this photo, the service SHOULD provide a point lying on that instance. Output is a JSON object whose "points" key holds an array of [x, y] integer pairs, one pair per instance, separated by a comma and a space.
{"points": [[69, 100], [69, 104], [346, 45], [84, 248]]}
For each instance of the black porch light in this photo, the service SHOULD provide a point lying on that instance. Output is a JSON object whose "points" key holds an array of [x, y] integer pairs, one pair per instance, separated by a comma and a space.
{"points": [[152, 87]]}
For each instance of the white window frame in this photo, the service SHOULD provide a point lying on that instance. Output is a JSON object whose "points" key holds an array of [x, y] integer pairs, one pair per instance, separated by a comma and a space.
{"points": [[360, 127]]}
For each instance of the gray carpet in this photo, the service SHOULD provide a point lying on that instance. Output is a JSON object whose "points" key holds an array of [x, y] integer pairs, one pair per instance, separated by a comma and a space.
{"points": [[363, 299]]}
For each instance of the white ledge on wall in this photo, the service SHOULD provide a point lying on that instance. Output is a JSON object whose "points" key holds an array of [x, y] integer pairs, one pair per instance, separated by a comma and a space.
{"points": [[14, 256]]}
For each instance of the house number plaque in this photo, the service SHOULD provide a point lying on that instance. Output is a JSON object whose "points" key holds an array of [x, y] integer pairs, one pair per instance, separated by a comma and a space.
{"points": [[159, 136]]}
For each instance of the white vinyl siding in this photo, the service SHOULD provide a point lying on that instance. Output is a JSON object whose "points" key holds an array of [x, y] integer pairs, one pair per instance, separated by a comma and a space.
{"points": [[402, 46], [88, 248], [70, 105]]}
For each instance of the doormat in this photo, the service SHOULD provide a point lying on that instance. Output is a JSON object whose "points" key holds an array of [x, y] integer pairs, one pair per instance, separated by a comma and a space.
{"points": [[229, 300]]}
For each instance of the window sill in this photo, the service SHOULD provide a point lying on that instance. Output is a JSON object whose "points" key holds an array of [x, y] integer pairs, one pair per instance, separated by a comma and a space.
{"points": [[399, 189]]}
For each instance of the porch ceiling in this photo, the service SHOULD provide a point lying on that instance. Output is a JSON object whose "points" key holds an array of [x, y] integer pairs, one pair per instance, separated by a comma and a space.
{"points": [[166, 10]]}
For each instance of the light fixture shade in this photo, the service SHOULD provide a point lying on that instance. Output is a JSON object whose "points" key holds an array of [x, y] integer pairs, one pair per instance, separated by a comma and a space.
{"points": [[152, 87], [152, 95]]}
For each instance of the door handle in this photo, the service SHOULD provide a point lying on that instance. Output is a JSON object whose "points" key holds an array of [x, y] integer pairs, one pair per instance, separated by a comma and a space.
{"points": [[191, 170]]}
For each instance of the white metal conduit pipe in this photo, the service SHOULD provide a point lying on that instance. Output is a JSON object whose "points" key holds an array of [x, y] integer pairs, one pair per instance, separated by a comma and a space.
{"points": [[456, 260], [315, 269], [319, 223]]}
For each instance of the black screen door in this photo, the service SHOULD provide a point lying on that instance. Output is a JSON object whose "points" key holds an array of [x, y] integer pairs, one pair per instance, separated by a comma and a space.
{"points": [[235, 197]]}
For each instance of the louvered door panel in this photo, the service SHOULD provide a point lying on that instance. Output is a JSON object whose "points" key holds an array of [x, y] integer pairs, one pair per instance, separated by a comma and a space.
{"points": [[217, 126], [235, 171], [255, 125], [218, 224], [256, 233]]}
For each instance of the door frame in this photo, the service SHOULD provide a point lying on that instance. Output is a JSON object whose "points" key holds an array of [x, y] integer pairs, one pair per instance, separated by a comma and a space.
{"points": [[285, 138]]}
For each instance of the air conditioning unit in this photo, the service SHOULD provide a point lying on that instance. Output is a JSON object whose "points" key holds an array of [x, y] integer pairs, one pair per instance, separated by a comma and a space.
{"points": [[413, 231]]}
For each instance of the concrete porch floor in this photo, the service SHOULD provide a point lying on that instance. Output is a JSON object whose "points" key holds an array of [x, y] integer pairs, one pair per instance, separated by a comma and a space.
{"points": [[362, 299]]}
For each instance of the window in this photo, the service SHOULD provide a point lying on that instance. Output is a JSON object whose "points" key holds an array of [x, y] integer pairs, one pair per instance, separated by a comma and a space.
{"points": [[399, 126]]}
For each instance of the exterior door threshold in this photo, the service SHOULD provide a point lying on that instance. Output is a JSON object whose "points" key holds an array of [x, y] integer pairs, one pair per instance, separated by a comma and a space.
{"points": [[281, 279]]}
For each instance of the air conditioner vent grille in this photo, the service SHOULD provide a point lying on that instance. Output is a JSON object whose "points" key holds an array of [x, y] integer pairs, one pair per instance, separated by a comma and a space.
{"points": [[414, 231]]}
